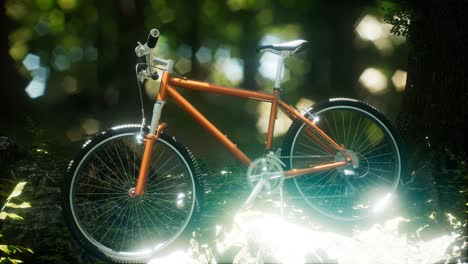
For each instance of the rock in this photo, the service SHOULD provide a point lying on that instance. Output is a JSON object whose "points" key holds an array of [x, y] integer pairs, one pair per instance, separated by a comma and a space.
{"points": [[10, 152], [43, 228]]}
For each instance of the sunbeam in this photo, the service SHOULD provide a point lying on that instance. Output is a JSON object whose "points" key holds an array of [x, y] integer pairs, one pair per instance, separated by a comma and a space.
{"points": [[258, 237]]}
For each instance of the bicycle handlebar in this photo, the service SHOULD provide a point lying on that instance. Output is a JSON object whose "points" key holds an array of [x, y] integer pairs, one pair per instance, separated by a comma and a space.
{"points": [[152, 38], [148, 69]]}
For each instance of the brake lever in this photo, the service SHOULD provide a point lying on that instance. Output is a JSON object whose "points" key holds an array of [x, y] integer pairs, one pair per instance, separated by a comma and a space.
{"points": [[142, 50]]}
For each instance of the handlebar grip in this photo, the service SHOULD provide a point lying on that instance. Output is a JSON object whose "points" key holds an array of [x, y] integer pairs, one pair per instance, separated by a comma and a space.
{"points": [[152, 38]]}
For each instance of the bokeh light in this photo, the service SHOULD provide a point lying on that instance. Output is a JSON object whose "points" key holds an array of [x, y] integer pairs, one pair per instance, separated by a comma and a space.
{"points": [[70, 84], [399, 80], [183, 65], [268, 66], [203, 55], [304, 104], [90, 126], [35, 88], [228, 70], [374, 80], [269, 61], [282, 121], [369, 28], [233, 69], [31, 62]]}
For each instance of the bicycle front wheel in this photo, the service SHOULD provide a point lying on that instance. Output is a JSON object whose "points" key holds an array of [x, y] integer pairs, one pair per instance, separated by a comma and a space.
{"points": [[351, 192], [107, 220]]}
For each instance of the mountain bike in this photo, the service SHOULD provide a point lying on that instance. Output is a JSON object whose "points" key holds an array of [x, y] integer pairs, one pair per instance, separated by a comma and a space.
{"points": [[133, 191]]}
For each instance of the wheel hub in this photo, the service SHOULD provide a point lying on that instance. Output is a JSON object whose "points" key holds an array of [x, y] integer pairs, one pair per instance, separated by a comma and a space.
{"points": [[350, 169], [132, 193]]}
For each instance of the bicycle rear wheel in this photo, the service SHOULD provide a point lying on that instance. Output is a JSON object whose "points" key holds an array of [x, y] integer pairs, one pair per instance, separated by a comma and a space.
{"points": [[112, 224], [349, 192]]}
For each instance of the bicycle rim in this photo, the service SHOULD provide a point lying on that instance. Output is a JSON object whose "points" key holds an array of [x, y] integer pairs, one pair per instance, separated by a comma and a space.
{"points": [[350, 192], [125, 228]]}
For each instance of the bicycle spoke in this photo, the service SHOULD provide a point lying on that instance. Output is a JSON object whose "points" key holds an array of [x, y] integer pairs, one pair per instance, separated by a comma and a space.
{"points": [[100, 200], [355, 133], [113, 185], [312, 148], [121, 163], [372, 150], [335, 192], [111, 178], [107, 217], [111, 225]]}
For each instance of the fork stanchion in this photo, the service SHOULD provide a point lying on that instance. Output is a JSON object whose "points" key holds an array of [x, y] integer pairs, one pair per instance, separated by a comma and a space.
{"points": [[150, 140]]}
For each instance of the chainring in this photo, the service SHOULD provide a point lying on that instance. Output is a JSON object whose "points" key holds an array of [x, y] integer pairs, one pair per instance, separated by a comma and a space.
{"points": [[269, 168]]}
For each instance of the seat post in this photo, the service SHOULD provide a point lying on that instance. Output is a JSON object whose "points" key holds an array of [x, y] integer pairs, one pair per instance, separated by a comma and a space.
{"points": [[279, 71]]}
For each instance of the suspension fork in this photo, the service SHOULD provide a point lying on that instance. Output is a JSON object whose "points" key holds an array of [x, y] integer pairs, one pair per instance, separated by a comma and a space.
{"points": [[150, 140]]}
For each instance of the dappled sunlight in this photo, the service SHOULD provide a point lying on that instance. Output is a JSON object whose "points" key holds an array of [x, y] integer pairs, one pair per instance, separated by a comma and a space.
{"points": [[258, 237], [264, 235]]}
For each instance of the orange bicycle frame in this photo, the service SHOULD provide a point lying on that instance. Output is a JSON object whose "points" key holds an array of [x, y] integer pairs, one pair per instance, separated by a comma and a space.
{"points": [[167, 91]]}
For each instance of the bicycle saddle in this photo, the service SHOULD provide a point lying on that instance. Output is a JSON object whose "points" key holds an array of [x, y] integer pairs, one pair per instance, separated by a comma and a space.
{"points": [[285, 48]]}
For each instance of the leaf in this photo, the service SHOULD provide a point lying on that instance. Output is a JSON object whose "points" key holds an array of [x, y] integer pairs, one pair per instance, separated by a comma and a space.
{"points": [[23, 205], [13, 216], [3, 215], [18, 190], [5, 249], [21, 249], [14, 261]]}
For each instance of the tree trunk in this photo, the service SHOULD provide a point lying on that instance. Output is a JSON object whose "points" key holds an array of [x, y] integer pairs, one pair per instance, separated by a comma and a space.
{"points": [[434, 108], [342, 49], [248, 43], [15, 100]]}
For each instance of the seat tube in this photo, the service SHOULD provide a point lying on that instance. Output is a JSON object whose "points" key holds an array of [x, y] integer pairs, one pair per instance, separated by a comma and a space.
{"points": [[272, 119], [279, 72]]}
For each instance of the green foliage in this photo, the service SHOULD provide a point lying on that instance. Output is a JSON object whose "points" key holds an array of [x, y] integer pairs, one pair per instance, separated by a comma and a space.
{"points": [[400, 19], [40, 140], [8, 251], [400, 14]]}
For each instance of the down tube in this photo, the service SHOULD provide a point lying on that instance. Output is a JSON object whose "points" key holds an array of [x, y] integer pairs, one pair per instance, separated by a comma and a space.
{"points": [[208, 126]]}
